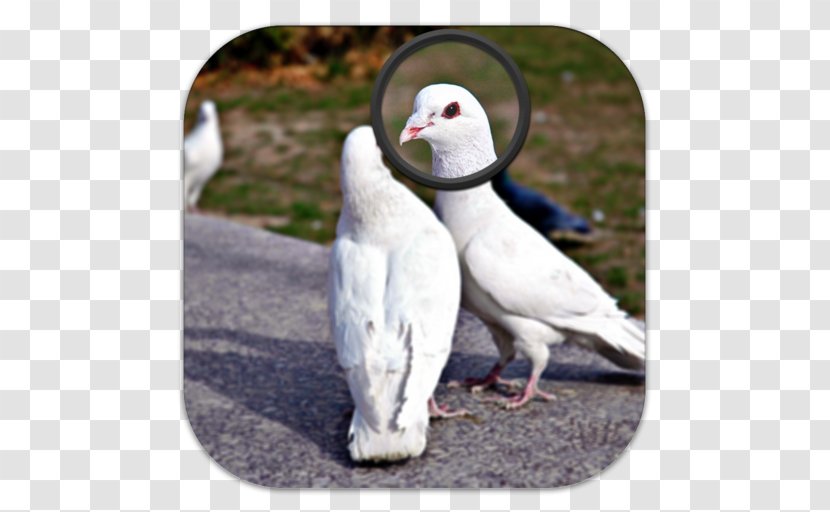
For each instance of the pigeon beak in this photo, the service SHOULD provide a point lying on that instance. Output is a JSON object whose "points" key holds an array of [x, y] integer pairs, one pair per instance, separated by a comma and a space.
{"points": [[412, 129]]}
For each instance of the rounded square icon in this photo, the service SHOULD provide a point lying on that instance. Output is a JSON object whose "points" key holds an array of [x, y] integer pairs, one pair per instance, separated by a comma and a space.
{"points": [[346, 325]]}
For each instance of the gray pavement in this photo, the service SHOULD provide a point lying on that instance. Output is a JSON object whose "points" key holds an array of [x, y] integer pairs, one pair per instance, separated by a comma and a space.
{"points": [[267, 400]]}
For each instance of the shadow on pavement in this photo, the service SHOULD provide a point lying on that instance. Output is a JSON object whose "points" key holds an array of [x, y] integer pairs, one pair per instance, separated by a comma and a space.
{"points": [[296, 383], [299, 384]]}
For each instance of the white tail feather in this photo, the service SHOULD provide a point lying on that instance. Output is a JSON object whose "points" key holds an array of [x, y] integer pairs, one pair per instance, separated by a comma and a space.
{"points": [[619, 340], [400, 428], [387, 444]]}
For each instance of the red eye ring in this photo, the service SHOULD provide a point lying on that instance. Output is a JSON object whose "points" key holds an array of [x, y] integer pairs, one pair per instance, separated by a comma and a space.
{"points": [[452, 110]]}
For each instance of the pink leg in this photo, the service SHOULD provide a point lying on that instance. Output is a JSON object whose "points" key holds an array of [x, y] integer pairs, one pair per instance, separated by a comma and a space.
{"points": [[443, 411], [531, 390], [478, 384]]}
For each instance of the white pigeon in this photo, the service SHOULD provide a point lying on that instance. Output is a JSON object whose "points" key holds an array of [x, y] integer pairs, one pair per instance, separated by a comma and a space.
{"points": [[528, 293], [202, 153], [394, 294]]}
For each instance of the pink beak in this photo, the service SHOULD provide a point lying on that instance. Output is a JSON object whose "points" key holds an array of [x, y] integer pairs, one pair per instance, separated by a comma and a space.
{"points": [[412, 129], [409, 134]]}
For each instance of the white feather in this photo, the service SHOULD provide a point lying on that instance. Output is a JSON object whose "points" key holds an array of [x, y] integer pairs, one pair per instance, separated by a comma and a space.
{"points": [[202, 153], [519, 284], [394, 293]]}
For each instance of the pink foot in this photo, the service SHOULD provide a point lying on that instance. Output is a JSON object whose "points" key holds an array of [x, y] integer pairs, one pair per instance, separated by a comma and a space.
{"points": [[530, 391], [478, 384], [443, 411]]}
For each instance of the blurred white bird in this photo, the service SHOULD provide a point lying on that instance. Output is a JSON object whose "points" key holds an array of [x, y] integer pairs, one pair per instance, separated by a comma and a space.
{"points": [[394, 294], [528, 293], [202, 153]]}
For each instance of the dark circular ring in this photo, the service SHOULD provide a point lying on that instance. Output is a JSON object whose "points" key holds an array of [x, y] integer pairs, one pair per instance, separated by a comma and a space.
{"points": [[477, 41]]}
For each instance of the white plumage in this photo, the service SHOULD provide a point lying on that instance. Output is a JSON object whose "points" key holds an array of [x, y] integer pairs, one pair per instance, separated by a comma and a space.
{"points": [[526, 291], [394, 293], [202, 153]]}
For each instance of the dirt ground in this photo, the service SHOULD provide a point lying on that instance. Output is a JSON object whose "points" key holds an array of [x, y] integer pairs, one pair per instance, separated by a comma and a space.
{"points": [[283, 129]]}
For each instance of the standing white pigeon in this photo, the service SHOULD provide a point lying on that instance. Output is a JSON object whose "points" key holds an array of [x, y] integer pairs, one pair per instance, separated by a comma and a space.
{"points": [[394, 294], [528, 293], [202, 153]]}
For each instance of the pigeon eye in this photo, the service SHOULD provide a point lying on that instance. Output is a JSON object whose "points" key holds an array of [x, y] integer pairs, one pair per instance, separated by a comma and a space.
{"points": [[451, 110]]}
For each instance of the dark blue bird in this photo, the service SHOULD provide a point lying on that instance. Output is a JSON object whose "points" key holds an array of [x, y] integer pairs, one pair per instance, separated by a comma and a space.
{"points": [[547, 217]]}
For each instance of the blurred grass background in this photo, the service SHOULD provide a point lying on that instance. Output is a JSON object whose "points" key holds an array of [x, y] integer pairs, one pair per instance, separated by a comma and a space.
{"points": [[287, 97]]}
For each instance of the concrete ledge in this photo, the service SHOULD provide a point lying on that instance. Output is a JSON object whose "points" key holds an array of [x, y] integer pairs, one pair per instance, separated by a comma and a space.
{"points": [[267, 400]]}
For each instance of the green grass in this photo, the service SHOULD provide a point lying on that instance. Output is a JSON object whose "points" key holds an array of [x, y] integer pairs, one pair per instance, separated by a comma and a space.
{"points": [[617, 276], [632, 301], [545, 56], [313, 231], [322, 135], [302, 210], [537, 141], [299, 100], [228, 193], [588, 154]]}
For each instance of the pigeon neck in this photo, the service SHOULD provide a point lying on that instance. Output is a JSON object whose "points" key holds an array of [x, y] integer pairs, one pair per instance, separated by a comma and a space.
{"points": [[467, 157], [457, 164], [361, 191], [474, 154]]}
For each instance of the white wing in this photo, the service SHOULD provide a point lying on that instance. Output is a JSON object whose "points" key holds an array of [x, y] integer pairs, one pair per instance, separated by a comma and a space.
{"points": [[526, 276], [356, 282], [392, 319], [423, 296]]}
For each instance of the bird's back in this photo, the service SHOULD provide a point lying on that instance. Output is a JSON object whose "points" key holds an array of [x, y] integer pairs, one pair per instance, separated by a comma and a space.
{"points": [[393, 313], [394, 292]]}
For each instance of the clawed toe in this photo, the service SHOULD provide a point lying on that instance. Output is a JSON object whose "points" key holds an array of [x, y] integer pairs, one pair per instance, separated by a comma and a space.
{"points": [[512, 404], [470, 382], [477, 385], [510, 383], [479, 388], [483, 384], [444, 411], [509, 402], [548, 397], [517, 400]]}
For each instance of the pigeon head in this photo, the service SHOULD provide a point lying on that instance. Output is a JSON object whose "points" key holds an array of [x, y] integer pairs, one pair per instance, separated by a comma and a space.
{"points": [[455, 125], [360, 150], [207, 111], [445, 116]]}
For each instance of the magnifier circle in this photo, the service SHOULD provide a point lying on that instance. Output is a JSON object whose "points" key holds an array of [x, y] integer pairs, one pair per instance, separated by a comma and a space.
{"points": [[494, 51]]}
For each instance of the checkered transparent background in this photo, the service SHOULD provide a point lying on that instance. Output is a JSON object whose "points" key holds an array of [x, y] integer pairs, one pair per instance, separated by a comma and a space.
{"points": [[738, 106]]}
